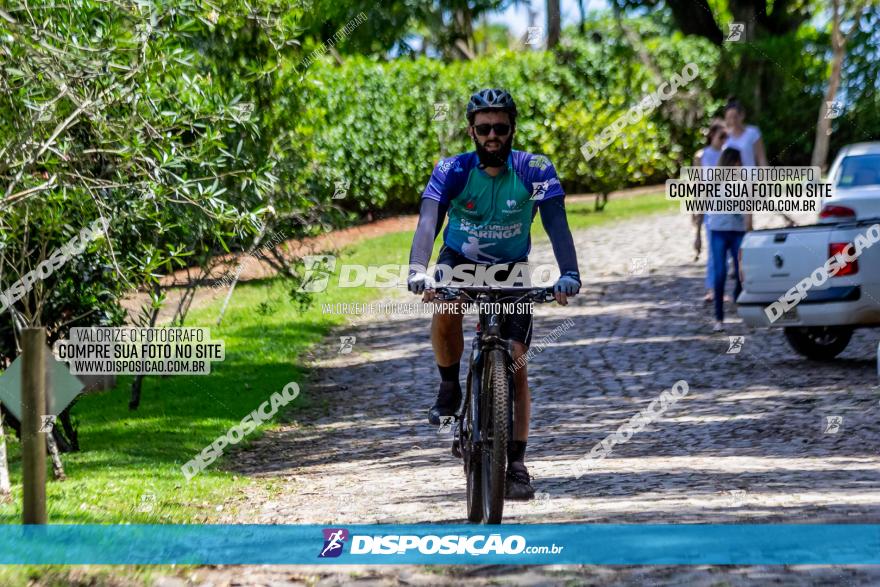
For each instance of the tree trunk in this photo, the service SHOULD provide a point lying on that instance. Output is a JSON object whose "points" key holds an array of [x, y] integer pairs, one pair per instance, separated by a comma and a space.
{"points": [[4, 467], [229, 294], [583, 13], [186, 299], [554, 26], [464, 50], [57, 466], [823, 123], [694, 17], [463, 32], [337, 57], [135, 401]]}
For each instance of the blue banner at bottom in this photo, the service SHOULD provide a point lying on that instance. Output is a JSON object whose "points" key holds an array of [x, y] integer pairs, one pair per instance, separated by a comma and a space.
{"points": [[593, 544]]}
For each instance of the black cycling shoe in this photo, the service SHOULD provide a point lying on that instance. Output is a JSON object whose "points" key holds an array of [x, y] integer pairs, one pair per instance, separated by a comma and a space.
{"points": [[448, 401], [518, 487]]}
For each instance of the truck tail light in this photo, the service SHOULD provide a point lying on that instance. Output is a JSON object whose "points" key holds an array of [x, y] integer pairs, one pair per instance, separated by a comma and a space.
{"points": [[832, 211], [850, 268]]}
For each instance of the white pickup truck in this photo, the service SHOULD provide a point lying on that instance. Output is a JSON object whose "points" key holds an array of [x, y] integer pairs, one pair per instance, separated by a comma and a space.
{"points": [[774, 260]]}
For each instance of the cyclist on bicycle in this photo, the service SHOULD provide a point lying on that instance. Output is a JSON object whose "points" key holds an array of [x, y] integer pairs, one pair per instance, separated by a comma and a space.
{"points": [[491, 196]]}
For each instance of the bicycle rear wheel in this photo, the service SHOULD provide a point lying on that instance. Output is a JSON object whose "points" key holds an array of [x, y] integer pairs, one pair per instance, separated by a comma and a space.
{"points": [[494, 417]]}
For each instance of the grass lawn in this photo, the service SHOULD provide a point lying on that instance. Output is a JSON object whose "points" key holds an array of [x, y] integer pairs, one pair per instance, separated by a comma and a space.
{"points": [[128, 469], [130, 461], [582, 215]]}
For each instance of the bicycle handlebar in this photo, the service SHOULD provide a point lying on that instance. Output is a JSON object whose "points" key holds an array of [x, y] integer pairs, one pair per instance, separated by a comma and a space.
{"points": [[535, 294]]}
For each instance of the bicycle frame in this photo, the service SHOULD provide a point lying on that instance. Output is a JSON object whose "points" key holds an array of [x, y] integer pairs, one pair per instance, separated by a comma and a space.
{"points": [[488, 338]]}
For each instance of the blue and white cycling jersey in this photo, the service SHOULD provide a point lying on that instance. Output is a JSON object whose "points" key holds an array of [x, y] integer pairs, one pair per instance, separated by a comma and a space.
{"points": [[490, 217]]}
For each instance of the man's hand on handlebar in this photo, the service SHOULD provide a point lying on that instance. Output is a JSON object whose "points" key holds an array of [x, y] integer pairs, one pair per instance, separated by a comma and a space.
{"points": [[420, 282], [567, 285]]}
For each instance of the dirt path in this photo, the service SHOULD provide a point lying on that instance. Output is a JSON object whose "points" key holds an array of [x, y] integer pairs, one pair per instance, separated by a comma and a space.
{"points": [[749, 443]]}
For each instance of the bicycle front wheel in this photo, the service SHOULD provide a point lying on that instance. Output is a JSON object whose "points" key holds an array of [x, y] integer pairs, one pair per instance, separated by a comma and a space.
{"points": [[495, 419], [473, 466]]}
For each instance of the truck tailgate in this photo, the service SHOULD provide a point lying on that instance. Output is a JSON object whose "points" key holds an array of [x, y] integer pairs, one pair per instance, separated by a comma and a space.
{"points": [[774, 260]]}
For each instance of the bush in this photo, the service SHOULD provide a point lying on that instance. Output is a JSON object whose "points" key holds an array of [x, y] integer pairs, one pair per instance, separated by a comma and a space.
{"points": [[371, 122], [139, 137]]}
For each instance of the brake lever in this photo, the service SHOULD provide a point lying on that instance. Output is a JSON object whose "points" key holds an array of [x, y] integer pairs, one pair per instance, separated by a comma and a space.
{"points": [[546, 296], [446, 296]]}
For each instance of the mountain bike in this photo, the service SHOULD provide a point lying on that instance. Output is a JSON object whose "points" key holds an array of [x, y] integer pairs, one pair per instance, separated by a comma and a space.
{"points": [[485, 422]]}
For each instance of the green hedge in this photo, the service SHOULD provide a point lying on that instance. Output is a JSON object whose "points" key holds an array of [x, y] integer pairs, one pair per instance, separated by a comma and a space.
{"points": [[370, 122]]}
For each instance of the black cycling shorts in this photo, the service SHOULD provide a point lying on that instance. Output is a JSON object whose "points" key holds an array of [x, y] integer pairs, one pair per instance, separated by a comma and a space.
{"points": [[514, 326]]}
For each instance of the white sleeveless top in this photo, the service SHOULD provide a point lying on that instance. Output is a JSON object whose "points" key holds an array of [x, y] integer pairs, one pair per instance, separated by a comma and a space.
{"points": [[745, 144], [710, 156]]}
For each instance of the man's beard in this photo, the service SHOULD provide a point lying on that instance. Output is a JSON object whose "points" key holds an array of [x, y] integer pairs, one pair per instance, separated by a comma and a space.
{"points": [[494, 158]]}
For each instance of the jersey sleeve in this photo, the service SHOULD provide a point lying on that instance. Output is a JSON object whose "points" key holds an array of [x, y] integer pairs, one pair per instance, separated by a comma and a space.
{"points": [[539, 176], [447, 180]]}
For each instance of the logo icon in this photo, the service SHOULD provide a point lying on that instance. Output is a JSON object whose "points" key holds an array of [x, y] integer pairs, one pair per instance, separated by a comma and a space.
{"points": [[736, 497], [445, 425], [334, 540], [778, 261], [833, 424], [245, 109], [469, 205], [511, 203], [346, 344], [148, 502], [534, 35], [539, 189], [317, 272], [539, 161], [833, 109], [735, 31], [47, 423], [447, 164], [638, 265], [341, 191], [736, 344], [441, 109]]}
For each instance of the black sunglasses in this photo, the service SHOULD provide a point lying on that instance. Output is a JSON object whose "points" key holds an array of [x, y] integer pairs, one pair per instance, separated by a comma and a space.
{"points": [[500, 129]]}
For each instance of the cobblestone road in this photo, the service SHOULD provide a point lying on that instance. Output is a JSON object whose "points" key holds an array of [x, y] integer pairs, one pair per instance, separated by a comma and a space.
{"points": [[751, 442]]}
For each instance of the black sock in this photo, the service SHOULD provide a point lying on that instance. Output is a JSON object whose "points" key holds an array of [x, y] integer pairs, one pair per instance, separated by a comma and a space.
{"points": [[450, 374], [516, 451]]}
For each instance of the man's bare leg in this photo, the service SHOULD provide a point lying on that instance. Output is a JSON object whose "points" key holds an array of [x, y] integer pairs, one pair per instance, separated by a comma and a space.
{"points": [[523, 400], [447, 338], [448, 342], [518, 478]]}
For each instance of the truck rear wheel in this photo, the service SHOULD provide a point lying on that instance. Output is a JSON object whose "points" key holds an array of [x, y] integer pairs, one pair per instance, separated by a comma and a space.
{"points": [[819, 343]]}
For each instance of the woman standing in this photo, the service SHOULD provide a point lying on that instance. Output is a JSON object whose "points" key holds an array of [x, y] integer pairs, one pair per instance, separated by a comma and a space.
{"points": [[726, 234], [743, 137], [708, 157]]}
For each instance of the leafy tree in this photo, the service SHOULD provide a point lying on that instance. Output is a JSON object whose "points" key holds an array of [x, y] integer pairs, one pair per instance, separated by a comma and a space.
{"points": [[839, 16], [374, 124], [108, 110], [446, 25], [708, 18]]}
